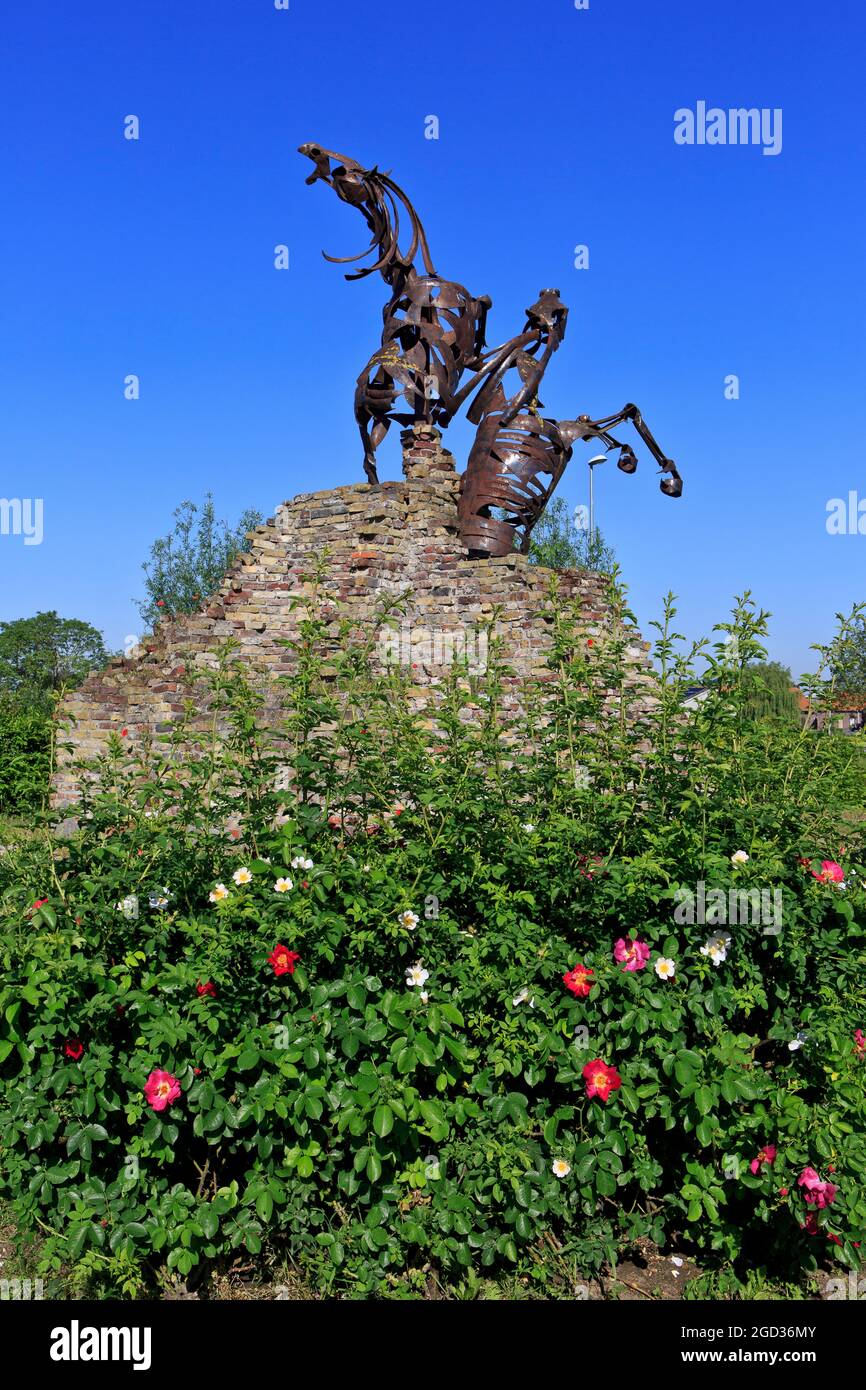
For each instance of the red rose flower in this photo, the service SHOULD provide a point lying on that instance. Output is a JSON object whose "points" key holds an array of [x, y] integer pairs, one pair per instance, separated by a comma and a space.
{"points": [[283, 960], [579, 981], [73, 1048], [600, 1079], [207, 988]]}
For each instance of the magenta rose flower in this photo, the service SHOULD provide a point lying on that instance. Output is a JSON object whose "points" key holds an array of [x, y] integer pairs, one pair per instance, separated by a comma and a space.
{"points": [[161, 1090], [633, 954]]}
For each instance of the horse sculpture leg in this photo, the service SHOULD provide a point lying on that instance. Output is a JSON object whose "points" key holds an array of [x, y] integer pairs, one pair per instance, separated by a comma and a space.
{"points": [[584, 428], [374, 401]]}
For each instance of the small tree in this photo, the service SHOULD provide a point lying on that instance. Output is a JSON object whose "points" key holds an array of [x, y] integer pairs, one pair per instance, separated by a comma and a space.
{"points": [[188, 564], [559, 543], [769, 691], [40, 655], [849, 671]]}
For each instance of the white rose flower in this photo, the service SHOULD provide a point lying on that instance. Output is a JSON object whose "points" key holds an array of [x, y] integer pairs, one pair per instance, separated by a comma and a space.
{"points": [[717, 947]]}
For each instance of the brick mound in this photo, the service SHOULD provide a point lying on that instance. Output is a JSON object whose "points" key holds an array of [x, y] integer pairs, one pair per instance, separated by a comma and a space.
{"points": [[380, 540]]}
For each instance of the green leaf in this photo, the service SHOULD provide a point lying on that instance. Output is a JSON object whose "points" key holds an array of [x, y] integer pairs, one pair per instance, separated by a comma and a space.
{"points": [[523, 1226], [209, 1222], [431, 1111], [605, 1183], [704, 1099], [711, 1208], [686, 1066], [705, 1131], [383, 1120], [584, 1169], [356, 996], [76, 1242]]}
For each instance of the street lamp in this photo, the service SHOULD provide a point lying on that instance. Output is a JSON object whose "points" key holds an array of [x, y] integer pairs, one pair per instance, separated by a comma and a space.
{"points": [[592, 464]]}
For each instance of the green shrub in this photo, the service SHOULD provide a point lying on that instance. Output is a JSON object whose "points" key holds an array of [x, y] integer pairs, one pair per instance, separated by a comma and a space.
{"points": [[25, 758], [384, 1132]]}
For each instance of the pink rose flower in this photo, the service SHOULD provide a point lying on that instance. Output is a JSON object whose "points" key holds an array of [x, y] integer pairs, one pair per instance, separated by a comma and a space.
{"points": [[766, 1155], [633, 954], [817, 1192], [831, 872], [161, 1090]]}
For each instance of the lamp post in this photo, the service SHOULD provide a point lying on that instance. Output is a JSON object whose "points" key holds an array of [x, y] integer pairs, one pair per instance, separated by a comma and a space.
{"points": [[593, 463]]}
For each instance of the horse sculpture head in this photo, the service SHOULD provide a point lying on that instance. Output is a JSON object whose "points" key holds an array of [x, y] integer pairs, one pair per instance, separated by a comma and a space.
{"points": [[380, 200]]}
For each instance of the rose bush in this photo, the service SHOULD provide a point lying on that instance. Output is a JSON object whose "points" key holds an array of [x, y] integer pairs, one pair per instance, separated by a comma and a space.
{"points": [[453, 1002]]}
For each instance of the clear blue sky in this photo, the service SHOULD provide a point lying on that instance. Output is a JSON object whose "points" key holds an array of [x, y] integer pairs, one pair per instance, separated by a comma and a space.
{"points": [[155, 257]]}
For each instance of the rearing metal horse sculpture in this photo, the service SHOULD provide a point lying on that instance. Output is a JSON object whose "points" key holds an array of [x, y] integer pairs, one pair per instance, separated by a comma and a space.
{"points": [[434, 331], [433, 328]]}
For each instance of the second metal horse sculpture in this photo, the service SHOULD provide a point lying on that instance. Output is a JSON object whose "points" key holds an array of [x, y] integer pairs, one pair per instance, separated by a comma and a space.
{"points": [[434, 332]]}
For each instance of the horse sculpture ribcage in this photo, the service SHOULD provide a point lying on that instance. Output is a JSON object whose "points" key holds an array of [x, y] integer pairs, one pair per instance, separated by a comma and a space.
{"points": [[433, 330], [514, 466]]}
